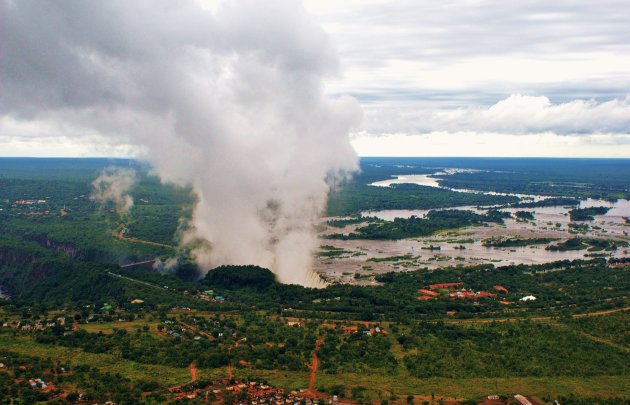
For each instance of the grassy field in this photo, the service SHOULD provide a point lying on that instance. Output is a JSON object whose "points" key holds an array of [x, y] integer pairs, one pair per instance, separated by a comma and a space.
{"points": [[104, 362], [382, 387], [131, 326]]}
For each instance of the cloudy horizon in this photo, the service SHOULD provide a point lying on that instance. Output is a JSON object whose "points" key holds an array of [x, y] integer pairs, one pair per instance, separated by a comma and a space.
{"points": [[454, 78]]}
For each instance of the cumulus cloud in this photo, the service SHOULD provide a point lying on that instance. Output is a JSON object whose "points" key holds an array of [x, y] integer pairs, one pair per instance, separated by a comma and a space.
{"points": [[227, 99], [517, 114]]}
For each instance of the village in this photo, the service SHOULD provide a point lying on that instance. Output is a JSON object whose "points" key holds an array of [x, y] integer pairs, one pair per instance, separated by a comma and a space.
{"points": [[455, 291], [228, 389]]}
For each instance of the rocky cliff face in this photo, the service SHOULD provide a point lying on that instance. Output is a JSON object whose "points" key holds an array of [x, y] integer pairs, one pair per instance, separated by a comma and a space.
{"points": [[14, 257], [45, 242], [66, 249]]}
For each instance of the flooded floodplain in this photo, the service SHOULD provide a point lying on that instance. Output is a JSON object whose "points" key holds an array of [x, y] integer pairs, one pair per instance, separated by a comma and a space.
{"points": [[357, 260]]}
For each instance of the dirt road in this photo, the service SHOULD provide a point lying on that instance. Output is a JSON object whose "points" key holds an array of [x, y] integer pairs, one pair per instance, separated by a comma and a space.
{"points": [[314, 366]]}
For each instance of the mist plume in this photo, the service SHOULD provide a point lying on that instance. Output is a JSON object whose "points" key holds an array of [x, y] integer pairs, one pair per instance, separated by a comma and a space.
{"points": [[114, 184], [227, 98]]}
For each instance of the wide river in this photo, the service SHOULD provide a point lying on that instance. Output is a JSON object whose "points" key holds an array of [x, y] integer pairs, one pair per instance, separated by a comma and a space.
{"points": [[550, 222]]}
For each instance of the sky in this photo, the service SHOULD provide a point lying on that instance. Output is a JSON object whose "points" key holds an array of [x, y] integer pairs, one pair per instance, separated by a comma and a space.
{"points": [[434, 78]]}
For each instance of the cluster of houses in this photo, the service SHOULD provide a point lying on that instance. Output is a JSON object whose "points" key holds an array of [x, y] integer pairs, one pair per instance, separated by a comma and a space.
{"points": [[456, 291], [435, 291], [39, 325], [365, 329], [210, 295], [30, 202], [30, 205], [170, 328], [350, 330], [38, 383], [173, 330], [252, 392]]}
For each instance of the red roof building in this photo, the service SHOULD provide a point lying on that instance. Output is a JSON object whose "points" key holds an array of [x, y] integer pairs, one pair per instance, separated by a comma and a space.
{"points": [[428, 292]]}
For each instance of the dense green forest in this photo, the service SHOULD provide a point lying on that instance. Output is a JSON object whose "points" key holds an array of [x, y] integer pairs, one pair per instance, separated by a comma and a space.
{"points": [[49, 203], [514, 242], [401, 228], [579, 178], [587, 214], [567, 179]]}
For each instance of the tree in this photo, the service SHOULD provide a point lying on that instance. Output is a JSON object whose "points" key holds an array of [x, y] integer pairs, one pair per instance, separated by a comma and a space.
{"points": [[73, 397]]}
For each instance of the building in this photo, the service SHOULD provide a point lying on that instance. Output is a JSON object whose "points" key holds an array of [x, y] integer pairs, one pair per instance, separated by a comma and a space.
{"points": [[428, 292], [522, 400]]}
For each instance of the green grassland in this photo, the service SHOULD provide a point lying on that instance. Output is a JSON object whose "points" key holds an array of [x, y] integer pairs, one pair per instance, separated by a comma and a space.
{"points": [[603, 377]]}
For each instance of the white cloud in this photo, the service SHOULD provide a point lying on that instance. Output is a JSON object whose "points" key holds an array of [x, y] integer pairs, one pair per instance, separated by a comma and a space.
{"points": [[474, 144], [517, 114], [416, 66]]}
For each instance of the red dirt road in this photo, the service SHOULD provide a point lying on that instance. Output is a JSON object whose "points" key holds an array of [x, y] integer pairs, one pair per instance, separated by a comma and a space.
{"points": [[314, 365], [193, 372], [230, 373], [197, 331], [192, 368]]}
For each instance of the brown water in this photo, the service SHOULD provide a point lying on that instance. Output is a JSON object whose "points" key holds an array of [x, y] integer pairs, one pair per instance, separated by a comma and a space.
{"points": [[550, 222], [474, 253]]}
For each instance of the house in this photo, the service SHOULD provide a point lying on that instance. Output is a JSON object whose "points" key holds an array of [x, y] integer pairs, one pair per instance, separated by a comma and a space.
{"points": [[522, 400]]}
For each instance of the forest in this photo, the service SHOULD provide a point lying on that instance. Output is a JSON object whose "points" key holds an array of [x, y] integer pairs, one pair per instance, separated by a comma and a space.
{"points": [[401, 228]]}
